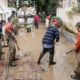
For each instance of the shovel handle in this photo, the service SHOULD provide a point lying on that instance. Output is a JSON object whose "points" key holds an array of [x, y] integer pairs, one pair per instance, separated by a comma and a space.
{"points": [[70, 51]]}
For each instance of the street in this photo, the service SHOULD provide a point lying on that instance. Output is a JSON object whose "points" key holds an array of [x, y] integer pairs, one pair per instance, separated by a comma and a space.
{"points": [[27, 68]]}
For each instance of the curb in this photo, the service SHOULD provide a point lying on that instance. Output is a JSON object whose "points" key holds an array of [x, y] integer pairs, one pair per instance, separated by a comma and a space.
{"points": [[72, 38]]}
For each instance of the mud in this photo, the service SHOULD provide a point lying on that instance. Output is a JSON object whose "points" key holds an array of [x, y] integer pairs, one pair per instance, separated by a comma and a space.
{"points": [[27, 68]]}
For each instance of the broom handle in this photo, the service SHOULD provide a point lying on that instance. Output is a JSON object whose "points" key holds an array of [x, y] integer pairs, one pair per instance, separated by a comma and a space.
{"points": [[70, 51], [16, 44]]}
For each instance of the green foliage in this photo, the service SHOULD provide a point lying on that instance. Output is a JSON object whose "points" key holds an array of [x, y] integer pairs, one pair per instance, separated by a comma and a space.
{"points": [[75, 9], [47, 6], [69, 14], [64, 26], [21, 3], [11, 3]]}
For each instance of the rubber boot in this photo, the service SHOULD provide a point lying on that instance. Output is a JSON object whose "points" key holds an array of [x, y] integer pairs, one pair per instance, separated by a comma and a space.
{"points": [[15, 59], [41, 55], [75, 76], [11, 63], [51, 61]]}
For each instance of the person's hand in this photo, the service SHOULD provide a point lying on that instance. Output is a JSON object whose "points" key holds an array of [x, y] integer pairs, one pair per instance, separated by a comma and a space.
{"points": [[76, 51]]}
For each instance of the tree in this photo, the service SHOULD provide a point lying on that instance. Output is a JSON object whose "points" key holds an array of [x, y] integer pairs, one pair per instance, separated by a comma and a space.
{"points": [[51, 8], [12, 3], [47, 6]]}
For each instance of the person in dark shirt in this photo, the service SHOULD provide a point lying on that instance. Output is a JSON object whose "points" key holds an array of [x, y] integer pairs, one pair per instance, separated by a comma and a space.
{"points": [[48, 41], [2, 23]]}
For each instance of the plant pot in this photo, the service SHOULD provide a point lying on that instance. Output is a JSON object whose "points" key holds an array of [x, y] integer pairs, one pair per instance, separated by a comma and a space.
{"points": [[28, 29]]}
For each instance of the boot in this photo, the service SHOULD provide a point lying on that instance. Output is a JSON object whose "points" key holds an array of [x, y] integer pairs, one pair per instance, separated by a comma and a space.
{"points": [[75, 76], [77, 71], [41, 55], [12, 64], [51, 61], [15, 59]]}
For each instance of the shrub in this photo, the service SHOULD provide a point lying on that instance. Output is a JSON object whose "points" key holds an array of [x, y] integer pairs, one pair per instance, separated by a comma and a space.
{"points": [[64, 26], [69, 14]]}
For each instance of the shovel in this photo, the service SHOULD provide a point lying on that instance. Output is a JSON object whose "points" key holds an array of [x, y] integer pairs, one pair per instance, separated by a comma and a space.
{"points": [[20, 52], [75, 53]]}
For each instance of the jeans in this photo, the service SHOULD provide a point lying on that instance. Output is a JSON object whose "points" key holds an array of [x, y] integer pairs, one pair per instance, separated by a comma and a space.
{"points": [[50, 50], [36, 25]]}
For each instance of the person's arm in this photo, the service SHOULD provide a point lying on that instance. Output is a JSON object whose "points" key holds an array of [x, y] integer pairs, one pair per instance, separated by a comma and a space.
{"points": [[0, 30], [57, 36], [78, 43]]}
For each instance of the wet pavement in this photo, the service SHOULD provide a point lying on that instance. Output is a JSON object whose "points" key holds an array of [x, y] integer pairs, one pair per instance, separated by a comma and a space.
{"points": [[27, 68]]}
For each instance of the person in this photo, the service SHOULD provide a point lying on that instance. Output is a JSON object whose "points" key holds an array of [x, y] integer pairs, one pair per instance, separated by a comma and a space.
{"points": [[47, 21], [14, 22], [36, 21], [9, 33], [2, 23], [77, 49], [48, 41]]}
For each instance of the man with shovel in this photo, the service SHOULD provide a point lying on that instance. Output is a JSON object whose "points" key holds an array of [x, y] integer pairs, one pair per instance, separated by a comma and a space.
{"points": [[10, 42], [77, 71], [51, 36]]}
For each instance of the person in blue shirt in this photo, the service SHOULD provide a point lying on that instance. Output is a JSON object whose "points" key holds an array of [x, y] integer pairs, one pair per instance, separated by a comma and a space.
{"points": [[2, 23], [51, 36]]}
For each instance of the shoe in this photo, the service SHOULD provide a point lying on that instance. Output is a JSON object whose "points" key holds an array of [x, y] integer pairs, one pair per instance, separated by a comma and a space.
{"points": [[38, 62], [52, 63], [2, 59], [12, 64], [77, 72], [75, 76], [15, 59]]}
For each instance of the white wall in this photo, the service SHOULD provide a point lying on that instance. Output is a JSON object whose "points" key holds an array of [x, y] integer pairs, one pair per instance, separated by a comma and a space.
{"points": [[61, 12], [4, 3]]}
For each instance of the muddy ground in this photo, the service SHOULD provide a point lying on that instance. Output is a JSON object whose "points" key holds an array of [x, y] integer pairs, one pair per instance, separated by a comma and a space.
{"points": [[27, 68]]}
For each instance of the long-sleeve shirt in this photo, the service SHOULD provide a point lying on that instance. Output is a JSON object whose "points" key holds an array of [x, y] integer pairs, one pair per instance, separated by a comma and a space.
{"points": [[9, 27], [36, 19], [51, 34], [78, 42], [0, 30]]}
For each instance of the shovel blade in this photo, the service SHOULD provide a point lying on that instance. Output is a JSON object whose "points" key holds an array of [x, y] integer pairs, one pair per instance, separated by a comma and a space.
{"points": [[21, 54]]}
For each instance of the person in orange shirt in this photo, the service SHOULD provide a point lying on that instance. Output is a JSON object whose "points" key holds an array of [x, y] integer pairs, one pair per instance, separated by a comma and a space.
{"points": [[9, 26], [9, 32], [77, 71]]}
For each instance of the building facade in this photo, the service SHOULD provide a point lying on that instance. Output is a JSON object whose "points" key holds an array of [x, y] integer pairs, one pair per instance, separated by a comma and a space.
{"points": [[4, 3], [64, 7]]}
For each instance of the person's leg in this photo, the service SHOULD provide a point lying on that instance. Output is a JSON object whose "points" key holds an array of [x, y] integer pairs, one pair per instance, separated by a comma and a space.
{"points": [[1, 50], [51, 57], [11, 53], [42, 54], [37, 24]]}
